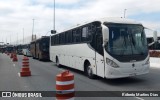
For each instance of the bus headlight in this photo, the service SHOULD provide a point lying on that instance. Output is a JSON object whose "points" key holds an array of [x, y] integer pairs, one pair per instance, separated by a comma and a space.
{"points": [[111, 63]]}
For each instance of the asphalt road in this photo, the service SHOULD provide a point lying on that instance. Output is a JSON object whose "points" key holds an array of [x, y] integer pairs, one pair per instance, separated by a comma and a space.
{"points": [[44, 75]]}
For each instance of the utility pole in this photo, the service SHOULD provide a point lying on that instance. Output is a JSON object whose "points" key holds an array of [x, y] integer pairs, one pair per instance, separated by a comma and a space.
{"points": [[23, 35], [125, 13], [54, 15], [33, 29], [6, 40], [10, 39], [17, 38]]}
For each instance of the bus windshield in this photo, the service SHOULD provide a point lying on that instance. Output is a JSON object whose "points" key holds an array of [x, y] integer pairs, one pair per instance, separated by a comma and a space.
{"points": [[126, 39]]}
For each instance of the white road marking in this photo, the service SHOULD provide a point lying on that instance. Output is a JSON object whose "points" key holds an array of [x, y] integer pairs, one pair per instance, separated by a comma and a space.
{"points": [[139, 98], [26, 86], [14, 65], [19, 74]]}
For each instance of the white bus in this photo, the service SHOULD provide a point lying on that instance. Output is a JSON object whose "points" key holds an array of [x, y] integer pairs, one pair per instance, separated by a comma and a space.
{"points": [[109, 48], [26, 50]]}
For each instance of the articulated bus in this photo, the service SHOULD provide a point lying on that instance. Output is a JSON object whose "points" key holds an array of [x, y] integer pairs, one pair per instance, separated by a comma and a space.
{"points": [[109, 48], [40, 48]]}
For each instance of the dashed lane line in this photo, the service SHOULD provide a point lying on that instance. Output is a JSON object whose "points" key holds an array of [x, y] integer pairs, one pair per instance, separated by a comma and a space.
{"points": [[19, 74], [139, 98], [14, 65]]}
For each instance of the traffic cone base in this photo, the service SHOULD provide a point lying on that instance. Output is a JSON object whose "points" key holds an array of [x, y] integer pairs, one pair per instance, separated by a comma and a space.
{"points": [[15, 59], [22, 74], [65, 96], [25, 69]]}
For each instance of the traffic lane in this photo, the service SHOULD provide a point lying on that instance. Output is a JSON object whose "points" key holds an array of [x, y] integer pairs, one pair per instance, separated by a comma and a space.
{"points": [[10, 80], [44, 78], [147, 82], [48, 71], [82, 83], [42, 75]]}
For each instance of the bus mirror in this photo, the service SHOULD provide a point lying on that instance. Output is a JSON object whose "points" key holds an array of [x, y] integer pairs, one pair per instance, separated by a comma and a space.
{"points": [[105, 32], [155, 36], [53, 31]]}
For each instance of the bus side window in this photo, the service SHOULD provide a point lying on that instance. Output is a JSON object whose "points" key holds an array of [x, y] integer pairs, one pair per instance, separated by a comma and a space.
{"points": [[57, 39], [63, 38], [66, 37], [84, 34], [76, 35], [69, 36], [60, 39], [79, 33], [54, 40], [87, 33]]}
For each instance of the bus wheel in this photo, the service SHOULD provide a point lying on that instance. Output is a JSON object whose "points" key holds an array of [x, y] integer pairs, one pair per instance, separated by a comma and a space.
{"points": [[57, 62], [89, 71]]}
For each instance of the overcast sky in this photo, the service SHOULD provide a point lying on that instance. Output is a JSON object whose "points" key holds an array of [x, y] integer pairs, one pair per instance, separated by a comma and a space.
{"points": [[18, 14]]}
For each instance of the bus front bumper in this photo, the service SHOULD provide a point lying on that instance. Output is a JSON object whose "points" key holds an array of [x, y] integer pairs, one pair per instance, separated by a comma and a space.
{"points": [[112, 73]]}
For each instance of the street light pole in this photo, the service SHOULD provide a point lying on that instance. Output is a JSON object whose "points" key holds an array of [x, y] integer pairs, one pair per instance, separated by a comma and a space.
{"points": [[53, 31], [54, 15], [17, 38], [33, 29], [10, 38], [6, 40], [125, 13], [23, 35]]}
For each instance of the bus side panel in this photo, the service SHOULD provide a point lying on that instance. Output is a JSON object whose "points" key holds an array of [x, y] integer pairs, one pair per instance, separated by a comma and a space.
{"points": [[74, 55]]}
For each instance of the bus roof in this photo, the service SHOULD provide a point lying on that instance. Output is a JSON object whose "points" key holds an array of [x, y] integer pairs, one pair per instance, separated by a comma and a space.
{"points": [[107, 20], [118, 20], [43, 37]]}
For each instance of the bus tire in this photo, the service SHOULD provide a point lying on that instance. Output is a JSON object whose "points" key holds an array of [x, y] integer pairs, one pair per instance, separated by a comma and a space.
{"points": [[57, 62], [89, 71], [39, 58]]}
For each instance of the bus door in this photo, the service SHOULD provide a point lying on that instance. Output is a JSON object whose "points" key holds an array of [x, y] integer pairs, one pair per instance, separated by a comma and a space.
{"points": [[99, 55]]}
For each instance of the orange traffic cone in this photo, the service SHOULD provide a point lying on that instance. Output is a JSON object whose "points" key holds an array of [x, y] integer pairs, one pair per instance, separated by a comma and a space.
{"points": [[15, 59], [25, 71], [65, 86]]}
